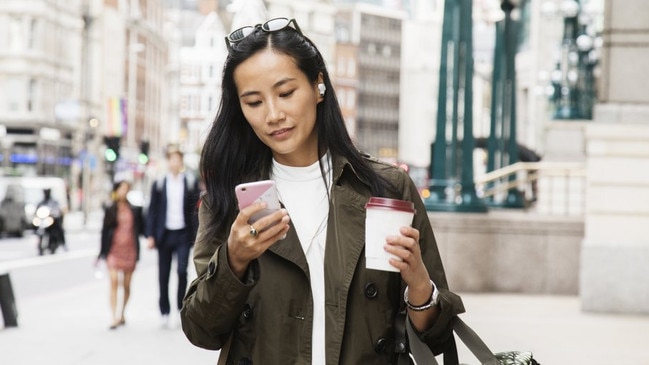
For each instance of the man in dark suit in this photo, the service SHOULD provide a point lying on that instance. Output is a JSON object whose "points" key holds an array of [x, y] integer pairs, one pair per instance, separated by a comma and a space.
{"points": [[171, 225]]}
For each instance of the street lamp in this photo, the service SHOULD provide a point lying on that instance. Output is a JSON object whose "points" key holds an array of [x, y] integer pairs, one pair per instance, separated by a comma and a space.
{"points": [[452, 187], [502, 146], [573, 83]]}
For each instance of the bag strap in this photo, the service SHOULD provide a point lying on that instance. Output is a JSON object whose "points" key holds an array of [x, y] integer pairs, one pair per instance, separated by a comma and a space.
{"points": [[400, 342], [225, 351], [422, 354], [418, 348], [473, 342]]}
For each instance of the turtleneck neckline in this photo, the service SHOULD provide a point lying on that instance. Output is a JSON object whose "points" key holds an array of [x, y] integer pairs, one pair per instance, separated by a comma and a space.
{"points": [[302, 173]]}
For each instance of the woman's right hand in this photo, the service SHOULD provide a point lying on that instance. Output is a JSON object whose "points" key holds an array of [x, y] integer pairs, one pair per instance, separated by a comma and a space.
{"points": [[243, 246]]}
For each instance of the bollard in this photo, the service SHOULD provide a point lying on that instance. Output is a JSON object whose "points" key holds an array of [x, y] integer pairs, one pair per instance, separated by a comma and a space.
{"points": [[7, 302]]}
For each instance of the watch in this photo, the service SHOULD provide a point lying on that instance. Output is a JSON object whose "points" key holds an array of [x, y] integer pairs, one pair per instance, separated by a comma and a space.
{"points": [[434, 300]]}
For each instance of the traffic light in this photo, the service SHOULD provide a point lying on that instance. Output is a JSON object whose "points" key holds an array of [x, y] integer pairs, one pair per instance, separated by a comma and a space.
{"points": [[143, 157], [112, 148]]}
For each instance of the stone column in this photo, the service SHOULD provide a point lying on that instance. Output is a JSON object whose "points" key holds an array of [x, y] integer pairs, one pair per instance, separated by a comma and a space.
{"points": [[614, 275]]}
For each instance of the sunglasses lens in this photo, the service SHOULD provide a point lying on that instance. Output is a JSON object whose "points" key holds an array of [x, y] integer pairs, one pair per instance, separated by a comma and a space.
{"points": [[276, 24], [240, 34], [272, 25]]}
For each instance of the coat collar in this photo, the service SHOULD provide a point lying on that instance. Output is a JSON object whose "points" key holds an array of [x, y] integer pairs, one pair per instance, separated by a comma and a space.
{"points": [[346, 214]]}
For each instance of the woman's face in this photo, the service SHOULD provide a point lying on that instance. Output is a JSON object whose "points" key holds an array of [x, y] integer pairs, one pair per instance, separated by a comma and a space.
{"points": [[122, 190], [279, 103]]}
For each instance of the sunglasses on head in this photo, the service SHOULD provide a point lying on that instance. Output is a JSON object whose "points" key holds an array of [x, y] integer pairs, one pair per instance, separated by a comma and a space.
{"points": [[273, 25]]}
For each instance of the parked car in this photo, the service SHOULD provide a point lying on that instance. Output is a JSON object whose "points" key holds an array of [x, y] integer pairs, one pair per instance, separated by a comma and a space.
{"points": [[26, 193], [13, 219]]}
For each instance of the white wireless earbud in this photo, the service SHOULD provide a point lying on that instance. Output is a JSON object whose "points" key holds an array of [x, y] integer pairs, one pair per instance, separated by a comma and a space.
{"points": [[322, 88]]}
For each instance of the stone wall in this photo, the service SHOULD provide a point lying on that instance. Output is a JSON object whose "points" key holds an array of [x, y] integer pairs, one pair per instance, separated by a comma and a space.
{"points": [[510, 251], [615, 253]]}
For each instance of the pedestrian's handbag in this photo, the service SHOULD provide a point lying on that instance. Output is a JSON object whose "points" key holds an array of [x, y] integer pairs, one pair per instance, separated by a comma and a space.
{"points": [[423, 356]]}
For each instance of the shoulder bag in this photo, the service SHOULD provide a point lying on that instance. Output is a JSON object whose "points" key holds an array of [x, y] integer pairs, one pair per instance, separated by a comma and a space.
{"points": [[423, 355]]}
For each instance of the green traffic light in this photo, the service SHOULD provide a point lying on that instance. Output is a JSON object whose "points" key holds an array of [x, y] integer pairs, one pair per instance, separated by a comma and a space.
{"points": [[110, 155], [144, 159]]}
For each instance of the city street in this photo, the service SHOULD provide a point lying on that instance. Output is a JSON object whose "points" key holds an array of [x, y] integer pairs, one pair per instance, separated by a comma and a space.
{"points": [[64, 317]]}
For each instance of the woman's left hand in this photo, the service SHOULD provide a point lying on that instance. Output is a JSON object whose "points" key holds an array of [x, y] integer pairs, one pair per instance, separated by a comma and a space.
{"points": [[414, 273], [412, 268]]}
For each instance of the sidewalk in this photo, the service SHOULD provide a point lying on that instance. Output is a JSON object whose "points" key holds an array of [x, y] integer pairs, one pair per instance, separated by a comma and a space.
{"points": [[74, 221], [555, 330], [71, 328]]}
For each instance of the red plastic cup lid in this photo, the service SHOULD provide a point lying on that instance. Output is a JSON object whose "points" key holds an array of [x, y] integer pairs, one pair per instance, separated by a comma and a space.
{"points": [[402, 205]]}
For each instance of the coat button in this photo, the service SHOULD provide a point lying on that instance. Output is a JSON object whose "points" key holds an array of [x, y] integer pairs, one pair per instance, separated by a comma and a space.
{"points": [[400, 347], [380, 346], [247, 313], [245, 361], [371, 291], [211, 268]]}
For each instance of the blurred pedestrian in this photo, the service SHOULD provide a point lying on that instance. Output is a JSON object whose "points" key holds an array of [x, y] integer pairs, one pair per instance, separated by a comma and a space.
{"points": [[56, 211], [271, 292], [120, 247], [171, 225]]}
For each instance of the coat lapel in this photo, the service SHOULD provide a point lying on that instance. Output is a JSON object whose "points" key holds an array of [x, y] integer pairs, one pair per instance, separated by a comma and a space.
{"points": [[290, 249], [343, 252]]}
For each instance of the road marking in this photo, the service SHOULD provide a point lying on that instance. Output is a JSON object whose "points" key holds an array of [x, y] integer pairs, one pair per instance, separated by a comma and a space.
{"points": [[48, 259]]}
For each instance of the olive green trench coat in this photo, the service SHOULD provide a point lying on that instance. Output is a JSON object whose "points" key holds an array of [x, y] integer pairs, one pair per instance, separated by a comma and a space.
{"points": [[269, 315]]}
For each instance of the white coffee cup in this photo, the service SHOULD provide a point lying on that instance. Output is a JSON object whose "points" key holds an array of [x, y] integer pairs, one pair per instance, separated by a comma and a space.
{"points": [[384, 217]]}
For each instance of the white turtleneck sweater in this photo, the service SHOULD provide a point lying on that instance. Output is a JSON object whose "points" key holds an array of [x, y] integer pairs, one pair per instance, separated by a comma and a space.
{"points": [[304, 195]]}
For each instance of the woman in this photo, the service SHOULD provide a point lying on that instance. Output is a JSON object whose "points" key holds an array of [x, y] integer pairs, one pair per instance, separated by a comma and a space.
{"points": [[295, 290], [120, 247]]}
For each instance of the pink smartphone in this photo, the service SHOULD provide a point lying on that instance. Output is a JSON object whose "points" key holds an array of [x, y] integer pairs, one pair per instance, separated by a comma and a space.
{"points": [[249, 193]]}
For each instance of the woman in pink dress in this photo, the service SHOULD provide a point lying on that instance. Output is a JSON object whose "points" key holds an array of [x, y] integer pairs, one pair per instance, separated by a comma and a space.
{"points": [[120, 247]]}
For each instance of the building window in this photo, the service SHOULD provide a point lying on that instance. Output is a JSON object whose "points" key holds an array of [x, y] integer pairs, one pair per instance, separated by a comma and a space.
{"points": [[341, 92], [351, 99], [387, 51], [15, 90], [371, 49], [32, 36], [341, 66], [184, 105], [15, 33], [342, 34], [31, 95], [351, 67], [210, 103]]}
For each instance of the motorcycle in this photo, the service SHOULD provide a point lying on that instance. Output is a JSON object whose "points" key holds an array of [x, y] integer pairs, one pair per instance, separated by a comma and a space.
{"points": [[47, 223]]}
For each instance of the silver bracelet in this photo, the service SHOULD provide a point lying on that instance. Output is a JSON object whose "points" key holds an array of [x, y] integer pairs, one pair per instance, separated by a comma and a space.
{"points": [[434, 300]]}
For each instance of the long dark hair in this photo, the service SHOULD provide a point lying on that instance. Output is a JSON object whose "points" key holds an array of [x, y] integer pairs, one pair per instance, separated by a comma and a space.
{"points": [[233, 154]]}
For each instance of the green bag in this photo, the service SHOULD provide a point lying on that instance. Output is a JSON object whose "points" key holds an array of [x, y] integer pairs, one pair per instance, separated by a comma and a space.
{"points": [[516, 358]]}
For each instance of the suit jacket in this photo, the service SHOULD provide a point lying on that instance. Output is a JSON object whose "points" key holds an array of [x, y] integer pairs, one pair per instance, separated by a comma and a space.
{"points": [[157, 210]]}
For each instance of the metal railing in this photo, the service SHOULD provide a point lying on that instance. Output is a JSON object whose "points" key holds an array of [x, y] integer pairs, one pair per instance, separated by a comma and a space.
{"points": [[555, 188]]}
